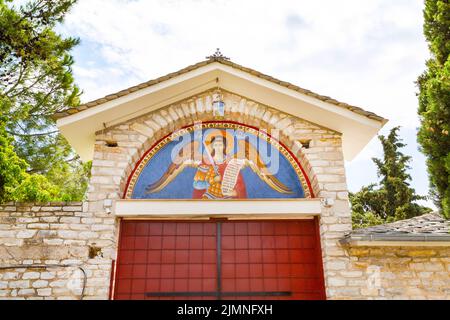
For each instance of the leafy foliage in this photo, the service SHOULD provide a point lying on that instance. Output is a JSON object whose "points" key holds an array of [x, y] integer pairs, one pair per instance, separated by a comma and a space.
{"points": [[392, 199], [35, 74], [35, 82], [72, 180], [434, 102], [11, 167], [15, 182]]}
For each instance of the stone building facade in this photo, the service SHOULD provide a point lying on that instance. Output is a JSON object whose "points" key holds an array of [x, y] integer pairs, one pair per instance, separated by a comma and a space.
{"points": [[71, 250]]}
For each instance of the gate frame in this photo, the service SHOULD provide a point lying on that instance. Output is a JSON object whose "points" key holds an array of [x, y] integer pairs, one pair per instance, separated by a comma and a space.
{"points": [[213, 219]]}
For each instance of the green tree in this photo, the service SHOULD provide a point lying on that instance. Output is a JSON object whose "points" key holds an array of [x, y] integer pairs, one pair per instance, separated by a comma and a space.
{"points": [[35, 82], [12, 167], [15, 183], [392, 199], [434, 102], [73, 179]]}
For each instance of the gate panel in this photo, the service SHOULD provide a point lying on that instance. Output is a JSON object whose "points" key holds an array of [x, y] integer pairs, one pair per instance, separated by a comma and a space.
{"points": [[156, 257], [219, 260], [276, 259]]}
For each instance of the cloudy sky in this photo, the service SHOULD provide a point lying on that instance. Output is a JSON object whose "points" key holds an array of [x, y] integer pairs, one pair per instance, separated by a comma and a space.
{"points": [[367, 53]]}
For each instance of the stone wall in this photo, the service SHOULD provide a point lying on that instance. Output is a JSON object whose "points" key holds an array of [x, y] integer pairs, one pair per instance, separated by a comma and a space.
{"points": [[46, 248], [393, 273]]}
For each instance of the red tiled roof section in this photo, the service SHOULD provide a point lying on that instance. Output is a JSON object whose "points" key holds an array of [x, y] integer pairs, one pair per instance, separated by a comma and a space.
{"points": [[258, 74]]}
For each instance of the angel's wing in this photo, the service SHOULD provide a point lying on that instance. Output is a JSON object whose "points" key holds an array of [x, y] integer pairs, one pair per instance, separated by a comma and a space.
{"points": [[189, 156], [252, 159]]}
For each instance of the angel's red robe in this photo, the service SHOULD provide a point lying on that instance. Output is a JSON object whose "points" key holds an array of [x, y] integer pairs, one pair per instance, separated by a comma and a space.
{"points": [[206, 188]]}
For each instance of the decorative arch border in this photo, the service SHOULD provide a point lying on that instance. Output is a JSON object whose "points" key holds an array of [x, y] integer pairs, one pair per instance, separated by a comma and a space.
{"points": [[142, 162]]}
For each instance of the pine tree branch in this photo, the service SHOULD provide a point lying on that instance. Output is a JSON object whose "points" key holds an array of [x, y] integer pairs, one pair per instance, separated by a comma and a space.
{"points": [[32, 134], [26, 88], [19, 79]]}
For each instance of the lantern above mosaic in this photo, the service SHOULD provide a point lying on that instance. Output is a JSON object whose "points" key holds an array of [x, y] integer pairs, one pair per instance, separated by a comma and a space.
{"points": [[218, 160]]}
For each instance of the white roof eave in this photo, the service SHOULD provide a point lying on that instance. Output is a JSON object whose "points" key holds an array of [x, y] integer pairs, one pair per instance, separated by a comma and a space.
{"points": [[80, 128]]}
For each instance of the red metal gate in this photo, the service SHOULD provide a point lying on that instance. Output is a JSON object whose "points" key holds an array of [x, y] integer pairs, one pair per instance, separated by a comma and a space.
{"points": [[219, 260]]}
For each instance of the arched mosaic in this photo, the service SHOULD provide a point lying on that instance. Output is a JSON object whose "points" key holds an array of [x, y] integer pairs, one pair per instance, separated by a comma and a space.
{"points": [[218, 160]]}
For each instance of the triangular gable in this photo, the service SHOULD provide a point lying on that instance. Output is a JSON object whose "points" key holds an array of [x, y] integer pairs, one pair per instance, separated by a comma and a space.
{"points": [[357, 125]]}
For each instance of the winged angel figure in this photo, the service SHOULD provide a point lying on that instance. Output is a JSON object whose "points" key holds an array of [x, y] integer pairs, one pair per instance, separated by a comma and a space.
{"points": [[218, 173]]}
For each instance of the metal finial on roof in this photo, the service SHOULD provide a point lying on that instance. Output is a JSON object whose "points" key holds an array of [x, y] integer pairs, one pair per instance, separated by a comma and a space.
{"points": [[217, 56]]}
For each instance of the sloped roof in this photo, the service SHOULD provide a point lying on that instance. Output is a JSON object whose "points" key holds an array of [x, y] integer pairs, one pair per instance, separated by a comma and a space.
{"points": [[427, 227], [224, 61], [79, 125]]}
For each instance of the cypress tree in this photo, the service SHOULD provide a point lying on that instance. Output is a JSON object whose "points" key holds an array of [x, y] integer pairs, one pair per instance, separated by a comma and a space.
{"points": [[393, 198], [434, 102]]}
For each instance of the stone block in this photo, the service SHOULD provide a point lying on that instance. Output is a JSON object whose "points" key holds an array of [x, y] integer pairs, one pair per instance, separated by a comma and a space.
{"points": [[19, 284], [44, 292], [70, 219], [40, 284], [10, 276], [38, 226], [7, 234], [68, 234], [47, 275], [58, 283], [336, 265], [336, 282], [88, 235], [31, 275], [26, 292], [26, 234]]}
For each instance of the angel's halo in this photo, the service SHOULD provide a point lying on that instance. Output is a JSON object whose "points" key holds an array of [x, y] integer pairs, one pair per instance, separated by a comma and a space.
{"points": [[210, 134]]}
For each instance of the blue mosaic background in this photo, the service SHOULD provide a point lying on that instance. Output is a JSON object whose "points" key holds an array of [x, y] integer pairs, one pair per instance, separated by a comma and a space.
{"points": [[182, 186]]}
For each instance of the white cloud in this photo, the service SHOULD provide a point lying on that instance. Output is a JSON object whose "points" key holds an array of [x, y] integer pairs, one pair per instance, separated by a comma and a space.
{"points": [[367, 53]]}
